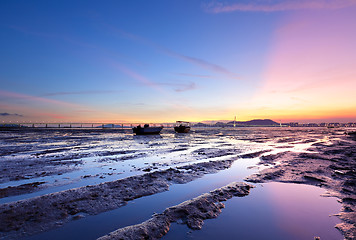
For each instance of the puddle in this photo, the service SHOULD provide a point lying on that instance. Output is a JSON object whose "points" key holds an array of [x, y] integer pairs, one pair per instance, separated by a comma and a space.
{"points": [[271, 211]]}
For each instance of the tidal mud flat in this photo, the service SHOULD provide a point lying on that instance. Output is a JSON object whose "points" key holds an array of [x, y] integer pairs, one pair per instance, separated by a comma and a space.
{"points": [[192, 212], [52, 178], [330, 165]]}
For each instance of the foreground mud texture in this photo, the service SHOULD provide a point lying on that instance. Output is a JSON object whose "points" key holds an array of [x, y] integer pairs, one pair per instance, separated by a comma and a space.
{"points": [[27, 217], [331, 166], [192, 212]]}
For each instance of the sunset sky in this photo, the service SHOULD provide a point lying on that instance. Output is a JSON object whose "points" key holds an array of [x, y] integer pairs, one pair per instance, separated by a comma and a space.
{"points": [[162, 61]]}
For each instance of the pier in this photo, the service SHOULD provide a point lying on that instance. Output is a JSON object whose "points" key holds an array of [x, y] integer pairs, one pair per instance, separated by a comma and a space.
{"points": [[76, 125]]}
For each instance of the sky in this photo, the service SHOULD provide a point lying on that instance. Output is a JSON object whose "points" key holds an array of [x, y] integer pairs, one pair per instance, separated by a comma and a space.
{"points": [[162, 61]]}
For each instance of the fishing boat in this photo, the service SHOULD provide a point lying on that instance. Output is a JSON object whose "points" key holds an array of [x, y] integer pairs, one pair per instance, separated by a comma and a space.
{"points": [[182, 127], [146, 130]]}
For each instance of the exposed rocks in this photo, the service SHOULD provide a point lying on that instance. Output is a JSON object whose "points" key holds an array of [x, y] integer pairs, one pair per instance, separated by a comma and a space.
{"points": [[192, 212]]}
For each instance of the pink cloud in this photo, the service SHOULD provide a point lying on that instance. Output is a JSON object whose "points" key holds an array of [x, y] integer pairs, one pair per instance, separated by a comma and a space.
{"points": [[256, 6]]}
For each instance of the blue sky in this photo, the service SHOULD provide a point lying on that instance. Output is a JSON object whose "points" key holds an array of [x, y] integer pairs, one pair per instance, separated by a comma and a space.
{"points": [[140, 60]]}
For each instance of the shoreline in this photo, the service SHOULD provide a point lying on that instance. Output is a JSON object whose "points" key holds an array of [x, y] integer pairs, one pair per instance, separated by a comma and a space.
{"points": [[331, 167], [325, 163]]}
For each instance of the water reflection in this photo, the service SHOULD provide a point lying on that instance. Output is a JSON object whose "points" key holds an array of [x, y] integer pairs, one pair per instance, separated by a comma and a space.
{"points": [[271, 211]]}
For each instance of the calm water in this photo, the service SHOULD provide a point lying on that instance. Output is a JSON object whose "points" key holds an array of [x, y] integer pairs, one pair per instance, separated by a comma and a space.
{"points": [[271, 211]]}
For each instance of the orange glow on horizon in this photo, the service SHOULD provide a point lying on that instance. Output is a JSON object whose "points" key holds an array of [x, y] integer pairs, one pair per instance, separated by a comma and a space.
{"points": [[311, 70]]}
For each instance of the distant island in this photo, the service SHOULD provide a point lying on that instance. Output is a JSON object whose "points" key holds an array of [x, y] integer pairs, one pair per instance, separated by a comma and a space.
{"points": [[255, 122]]}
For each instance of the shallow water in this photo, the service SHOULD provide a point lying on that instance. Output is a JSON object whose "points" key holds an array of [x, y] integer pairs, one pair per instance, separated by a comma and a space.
{"points": [[142, 209], [271, 211], [274, 211], [158, 152]]}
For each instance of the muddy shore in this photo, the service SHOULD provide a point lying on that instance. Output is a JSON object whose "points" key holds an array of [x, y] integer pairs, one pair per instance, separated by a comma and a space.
{"points": [[192, 212], [331, 166], [27, 217], [129, 167]]}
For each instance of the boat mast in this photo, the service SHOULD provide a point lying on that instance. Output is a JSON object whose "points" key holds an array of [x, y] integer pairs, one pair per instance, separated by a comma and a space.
{"points": [[235, 121]]}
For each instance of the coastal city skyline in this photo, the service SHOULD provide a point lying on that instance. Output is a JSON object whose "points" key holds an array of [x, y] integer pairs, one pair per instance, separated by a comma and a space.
{"points": [[138, 61]]}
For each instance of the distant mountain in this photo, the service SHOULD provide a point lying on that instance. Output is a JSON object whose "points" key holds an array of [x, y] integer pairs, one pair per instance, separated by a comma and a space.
{"points": [[255, 122], [200, 124]]}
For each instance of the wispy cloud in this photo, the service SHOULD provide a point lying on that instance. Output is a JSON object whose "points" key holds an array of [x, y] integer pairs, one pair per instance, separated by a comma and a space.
{"points": [[274, 6], [5, 114], [193, 60], [193, 75], [178, 87], [78, 93], [134, 75], [181, 87], [201, 63], [204, 64], [14, 95], [184, 88]]}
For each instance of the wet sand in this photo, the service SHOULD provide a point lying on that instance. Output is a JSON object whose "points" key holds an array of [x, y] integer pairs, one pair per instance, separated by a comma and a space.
{"points": [[101, 170]]}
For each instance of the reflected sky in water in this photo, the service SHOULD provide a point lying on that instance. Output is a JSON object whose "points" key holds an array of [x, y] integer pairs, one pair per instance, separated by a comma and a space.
{"points": [[271, 211]]}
